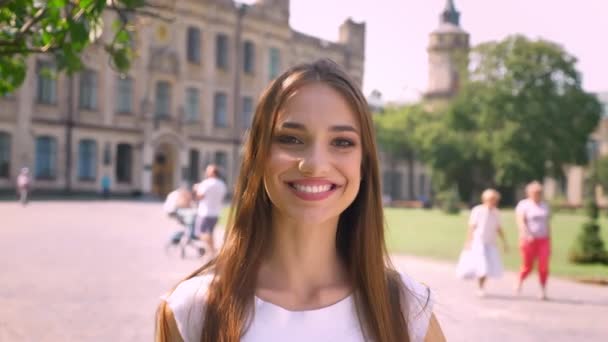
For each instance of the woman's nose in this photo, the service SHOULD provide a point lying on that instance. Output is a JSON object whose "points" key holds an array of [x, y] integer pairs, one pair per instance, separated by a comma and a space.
{"points": [[315, 162]]}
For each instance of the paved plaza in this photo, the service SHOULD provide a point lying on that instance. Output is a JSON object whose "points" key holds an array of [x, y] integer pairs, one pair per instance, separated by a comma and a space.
{"points": [[94, 271]]}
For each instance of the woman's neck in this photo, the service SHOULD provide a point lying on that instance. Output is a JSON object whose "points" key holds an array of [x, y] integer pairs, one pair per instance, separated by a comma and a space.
{"points": [[303, 261]]}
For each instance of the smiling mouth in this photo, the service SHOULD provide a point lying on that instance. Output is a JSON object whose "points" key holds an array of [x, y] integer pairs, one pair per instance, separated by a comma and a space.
{"points": [[312, 189]]}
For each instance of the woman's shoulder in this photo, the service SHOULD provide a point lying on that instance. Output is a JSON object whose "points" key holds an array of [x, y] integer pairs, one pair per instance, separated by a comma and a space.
{"points": [[418, 306], [187, 302]]}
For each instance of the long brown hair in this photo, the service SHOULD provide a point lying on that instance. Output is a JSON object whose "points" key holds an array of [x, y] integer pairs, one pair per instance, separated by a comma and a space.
{"points": [[360, 235]]}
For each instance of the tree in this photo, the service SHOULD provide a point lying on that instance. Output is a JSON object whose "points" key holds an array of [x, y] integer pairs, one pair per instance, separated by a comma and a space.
{"points": [[521, 115], [64, 29], [396, 129], [588, 246]]}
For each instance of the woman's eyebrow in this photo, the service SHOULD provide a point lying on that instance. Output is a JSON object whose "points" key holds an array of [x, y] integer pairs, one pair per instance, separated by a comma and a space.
{"points": [[302, 127], [293, 125], [343, 128]]}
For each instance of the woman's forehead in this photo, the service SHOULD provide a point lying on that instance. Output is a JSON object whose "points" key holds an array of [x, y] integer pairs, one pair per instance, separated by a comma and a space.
{"points": [[317, 104]]}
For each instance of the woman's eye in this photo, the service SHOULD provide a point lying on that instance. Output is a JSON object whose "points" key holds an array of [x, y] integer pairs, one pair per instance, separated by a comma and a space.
{"points": [[343, 143], [288, 139]]}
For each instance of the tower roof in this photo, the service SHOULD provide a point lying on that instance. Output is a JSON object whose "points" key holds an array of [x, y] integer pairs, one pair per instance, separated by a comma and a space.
{"points": [[450, 14]]}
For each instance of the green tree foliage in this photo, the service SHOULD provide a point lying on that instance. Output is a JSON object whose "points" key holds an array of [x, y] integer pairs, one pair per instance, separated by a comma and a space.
{"points": [[64, 29], [521, 115], [396, 134]]}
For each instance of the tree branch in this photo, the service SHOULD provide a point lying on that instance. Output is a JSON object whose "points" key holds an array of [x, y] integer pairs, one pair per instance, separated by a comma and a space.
{"points": [[26, 27], [44, 49]]}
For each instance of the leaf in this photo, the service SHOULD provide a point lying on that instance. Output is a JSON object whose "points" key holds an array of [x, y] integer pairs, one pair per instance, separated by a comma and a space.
{"points": [[56, 3]]}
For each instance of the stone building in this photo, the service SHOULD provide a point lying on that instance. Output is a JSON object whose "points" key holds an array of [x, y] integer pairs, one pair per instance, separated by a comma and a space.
{"points": [[448, 51], [186, 101]]}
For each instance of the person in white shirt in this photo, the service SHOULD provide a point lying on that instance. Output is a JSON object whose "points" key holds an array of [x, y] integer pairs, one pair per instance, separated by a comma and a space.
{"points": [[304, 257], [210, 194], [484, 259], [23, 185]]}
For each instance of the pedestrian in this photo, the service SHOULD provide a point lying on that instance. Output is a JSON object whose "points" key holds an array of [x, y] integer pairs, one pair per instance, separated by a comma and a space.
{"points": [[533, 220], [305, 257], [481, 258], [23, 185], [180, 198], [210, 194], [105, 186]]}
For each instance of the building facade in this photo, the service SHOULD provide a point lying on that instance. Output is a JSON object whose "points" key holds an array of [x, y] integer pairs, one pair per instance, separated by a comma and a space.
{"points": [[186, 101], [448, 51]]}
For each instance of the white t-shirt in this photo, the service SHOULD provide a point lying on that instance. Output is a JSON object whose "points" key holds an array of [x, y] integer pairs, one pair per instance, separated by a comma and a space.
{"points": [[272, 323], [213, 191], [486, 222], [536, 216]]}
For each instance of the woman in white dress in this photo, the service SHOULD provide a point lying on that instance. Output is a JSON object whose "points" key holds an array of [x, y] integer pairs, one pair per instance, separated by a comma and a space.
{"points": [[484, 225], [304, 257]]}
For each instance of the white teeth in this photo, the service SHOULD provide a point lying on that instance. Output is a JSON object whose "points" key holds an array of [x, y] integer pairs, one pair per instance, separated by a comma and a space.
{"points": [[312, 189]]}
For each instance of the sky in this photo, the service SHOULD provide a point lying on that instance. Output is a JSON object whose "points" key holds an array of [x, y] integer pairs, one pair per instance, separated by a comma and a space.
{"points": [[398, 30]]}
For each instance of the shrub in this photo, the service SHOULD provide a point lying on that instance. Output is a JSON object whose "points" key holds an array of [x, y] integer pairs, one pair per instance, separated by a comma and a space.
{"points": [[449, 201], [588, 246]]}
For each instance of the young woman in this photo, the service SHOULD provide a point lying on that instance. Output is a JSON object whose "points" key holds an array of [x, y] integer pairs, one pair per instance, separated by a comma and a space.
{"points": [[304, 257], [484, 226]]}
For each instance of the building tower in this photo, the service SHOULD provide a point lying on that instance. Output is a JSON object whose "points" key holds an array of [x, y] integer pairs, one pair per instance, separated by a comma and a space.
{"points": [[448, 55]]}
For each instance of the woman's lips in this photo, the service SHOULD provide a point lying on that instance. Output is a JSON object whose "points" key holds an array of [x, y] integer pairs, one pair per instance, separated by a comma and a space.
{"points": [[312, 189]]}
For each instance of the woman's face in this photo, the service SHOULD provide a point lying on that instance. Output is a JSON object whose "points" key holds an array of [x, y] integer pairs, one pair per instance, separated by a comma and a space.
{"points": [[314, 169], [535, 194]]}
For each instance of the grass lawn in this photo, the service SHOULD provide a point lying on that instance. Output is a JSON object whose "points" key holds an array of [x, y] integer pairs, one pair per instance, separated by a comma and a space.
{"points": [[436, 235]]}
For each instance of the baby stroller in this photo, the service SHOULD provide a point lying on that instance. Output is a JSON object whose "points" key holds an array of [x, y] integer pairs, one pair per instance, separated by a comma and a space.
{"points": [[184, 239]]}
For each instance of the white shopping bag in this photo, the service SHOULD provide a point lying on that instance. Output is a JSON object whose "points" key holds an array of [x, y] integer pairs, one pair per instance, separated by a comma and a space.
{"points": [[466, 265]]}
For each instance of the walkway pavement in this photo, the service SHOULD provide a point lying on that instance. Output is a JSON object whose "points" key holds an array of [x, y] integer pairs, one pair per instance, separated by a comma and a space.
{"points": [[93, 271]]}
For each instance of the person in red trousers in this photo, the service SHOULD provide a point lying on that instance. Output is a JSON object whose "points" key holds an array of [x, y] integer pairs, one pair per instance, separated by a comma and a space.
{"points": [[533, 221]]}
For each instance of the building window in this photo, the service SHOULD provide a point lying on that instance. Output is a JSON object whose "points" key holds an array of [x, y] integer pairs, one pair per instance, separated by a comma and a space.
{"points": [[220, 110], [87, 159], [192, 105], [124, 163], [248, 57], [221, 160], [46, 86], [163, 100], [124, 95], [193, 45], [46, 158], [422, 185], [392, 184], [275, 63], [221, 51], [88, 89], [247, 111], [5, 155], [193, 166]]}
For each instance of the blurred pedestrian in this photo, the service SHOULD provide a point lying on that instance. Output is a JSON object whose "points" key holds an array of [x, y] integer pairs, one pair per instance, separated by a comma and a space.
{"points": [[180, 198], [210, 195], [23, 185], [533, 216], [481, 258], [105, 186]]}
